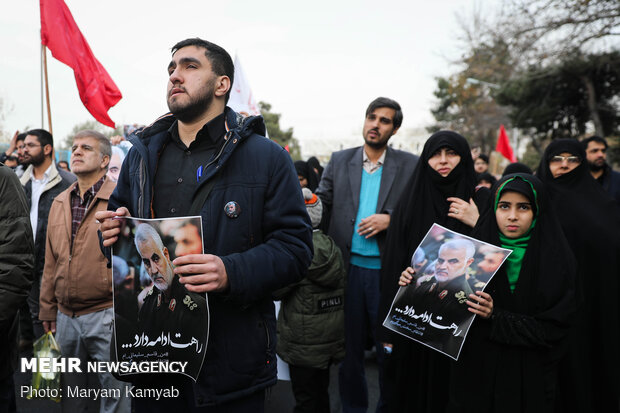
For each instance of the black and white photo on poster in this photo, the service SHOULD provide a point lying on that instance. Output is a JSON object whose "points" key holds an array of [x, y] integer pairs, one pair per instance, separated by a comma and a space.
{"points": [[155, 317], [448, 266]]}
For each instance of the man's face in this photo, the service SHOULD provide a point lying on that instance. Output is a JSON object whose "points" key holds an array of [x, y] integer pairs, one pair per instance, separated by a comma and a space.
{"points": [[34, 152], [379, 127], [157, 264], [480, 166], [188, 241], [491, 262], [451, 264], [86, 157], [20, 151], [191, 83], [596, 155], [114, 169], [563, 163]]}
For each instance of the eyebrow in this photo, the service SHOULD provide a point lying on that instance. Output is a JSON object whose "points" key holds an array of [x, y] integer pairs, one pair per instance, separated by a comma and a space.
{"points": [[183, 60]]}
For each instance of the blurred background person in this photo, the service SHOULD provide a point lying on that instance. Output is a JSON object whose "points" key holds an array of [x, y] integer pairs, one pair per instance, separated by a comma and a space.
{"points": [[481, 164], [16, 273]]}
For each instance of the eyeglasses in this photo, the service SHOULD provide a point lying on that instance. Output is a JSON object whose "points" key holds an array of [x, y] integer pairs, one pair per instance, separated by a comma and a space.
{"points": [[32, 145], [570, 159]]}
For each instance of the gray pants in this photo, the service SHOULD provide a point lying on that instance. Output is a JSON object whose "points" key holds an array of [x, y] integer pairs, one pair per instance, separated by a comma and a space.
{"points": [[88, 338]]}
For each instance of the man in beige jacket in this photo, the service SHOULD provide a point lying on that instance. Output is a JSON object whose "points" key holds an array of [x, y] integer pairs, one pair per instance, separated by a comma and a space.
{"points": [[76, 288]]}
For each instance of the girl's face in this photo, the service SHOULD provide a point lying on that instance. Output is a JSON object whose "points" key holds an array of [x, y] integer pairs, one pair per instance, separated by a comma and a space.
{"points": [[444, 161], [514, 214]]}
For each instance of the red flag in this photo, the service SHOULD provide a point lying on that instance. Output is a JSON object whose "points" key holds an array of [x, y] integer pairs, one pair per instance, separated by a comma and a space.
{"points": [[503, 145], [64, 39]]}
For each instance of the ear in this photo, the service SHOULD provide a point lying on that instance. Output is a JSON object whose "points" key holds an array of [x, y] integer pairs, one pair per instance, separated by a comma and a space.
{"points": [[470, 261], [222, 86], [105, 161], [166, 253], [48, 149]]}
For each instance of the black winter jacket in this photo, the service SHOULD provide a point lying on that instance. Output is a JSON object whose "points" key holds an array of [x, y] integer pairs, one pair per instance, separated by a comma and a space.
{"points": [[16, 262], [268, 246]]}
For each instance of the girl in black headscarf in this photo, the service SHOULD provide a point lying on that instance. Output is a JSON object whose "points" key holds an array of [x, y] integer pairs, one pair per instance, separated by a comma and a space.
{"points": [[307, 177], [509, 361], [442, 190], [590, 374]]}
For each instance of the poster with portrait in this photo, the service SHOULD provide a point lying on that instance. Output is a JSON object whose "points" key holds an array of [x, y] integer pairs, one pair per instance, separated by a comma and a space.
{"points": [[156, 318], [448, 266]]}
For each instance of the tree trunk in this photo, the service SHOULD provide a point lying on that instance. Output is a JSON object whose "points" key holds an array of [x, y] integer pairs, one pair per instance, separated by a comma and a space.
{"points": [[598, 125]]}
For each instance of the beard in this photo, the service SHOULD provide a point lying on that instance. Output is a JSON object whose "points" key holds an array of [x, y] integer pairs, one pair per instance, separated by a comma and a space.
{"points": [[376, 144], [597, 166], [197, 105], [34, 160]]}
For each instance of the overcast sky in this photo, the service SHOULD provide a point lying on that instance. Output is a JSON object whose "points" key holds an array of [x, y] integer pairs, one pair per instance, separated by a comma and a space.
{"points": [[318, 63]]}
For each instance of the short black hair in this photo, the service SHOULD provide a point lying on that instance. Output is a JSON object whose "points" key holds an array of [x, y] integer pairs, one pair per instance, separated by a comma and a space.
{"points": [[21, 137], [44, 138], [382, 102], [594, 138], [484, 158], [221, 62]]}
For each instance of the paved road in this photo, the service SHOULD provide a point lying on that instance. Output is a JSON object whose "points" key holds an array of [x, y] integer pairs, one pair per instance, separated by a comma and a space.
{"points": [[279, 399]]}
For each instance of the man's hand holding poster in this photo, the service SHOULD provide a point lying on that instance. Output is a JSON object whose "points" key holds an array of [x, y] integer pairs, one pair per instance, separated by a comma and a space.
{"points": [[156, 318], [445, 269]]}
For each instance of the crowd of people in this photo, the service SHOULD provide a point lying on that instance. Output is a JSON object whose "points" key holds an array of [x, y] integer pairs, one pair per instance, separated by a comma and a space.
{"points": [[333, 244]]}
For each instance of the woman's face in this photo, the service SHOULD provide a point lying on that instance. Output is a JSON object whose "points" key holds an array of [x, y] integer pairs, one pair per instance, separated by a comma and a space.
{"points": [[514, 214], [302, 181], [444, 160]]}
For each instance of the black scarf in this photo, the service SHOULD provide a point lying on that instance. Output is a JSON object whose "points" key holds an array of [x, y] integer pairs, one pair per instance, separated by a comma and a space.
{"points": [[422, 372], [303, 169], [516, 352], [591, 222], [423, 204]]}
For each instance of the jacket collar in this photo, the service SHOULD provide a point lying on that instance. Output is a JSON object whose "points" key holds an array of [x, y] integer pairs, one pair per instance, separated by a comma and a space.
{"points": [[54, 176]]}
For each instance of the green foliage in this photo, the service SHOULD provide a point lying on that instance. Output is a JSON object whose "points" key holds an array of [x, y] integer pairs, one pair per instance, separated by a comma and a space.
{"points": [[555, 101], [281, 137]]}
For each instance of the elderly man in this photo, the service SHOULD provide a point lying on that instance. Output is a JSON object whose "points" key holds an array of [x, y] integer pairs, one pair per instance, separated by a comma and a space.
{"points": [[76, 288], [168, 307]]}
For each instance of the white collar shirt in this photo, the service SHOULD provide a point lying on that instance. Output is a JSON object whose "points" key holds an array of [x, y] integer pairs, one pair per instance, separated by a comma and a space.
{"points": [[370, 167], [37, 189]]}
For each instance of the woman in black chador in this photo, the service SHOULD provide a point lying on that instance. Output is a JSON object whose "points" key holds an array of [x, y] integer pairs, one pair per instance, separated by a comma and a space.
{"points": [[442, 191], [509, 361], [590, 373]]}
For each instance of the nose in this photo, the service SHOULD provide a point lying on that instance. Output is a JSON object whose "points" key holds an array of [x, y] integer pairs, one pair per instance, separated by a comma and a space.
{"points": [[512, 215], [443, 156], [565, 163], [175, 77]]}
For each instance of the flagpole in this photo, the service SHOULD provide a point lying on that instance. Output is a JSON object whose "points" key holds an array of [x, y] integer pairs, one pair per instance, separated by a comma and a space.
{"points": [[41, 80], [47, 90]]}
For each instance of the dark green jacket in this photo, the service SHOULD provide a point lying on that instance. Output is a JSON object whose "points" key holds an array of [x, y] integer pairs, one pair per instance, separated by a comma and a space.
{"points": [[16, 264], [311, 318]]}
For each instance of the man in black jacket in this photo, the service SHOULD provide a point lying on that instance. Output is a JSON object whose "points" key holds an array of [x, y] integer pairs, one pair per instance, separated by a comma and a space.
{"points": [[596, 155], [16, 262], [205, 159], [42, 182]]}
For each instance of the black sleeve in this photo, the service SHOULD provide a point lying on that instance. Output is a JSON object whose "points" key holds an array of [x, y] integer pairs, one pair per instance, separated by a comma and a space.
{"points": [[518, 330]]}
